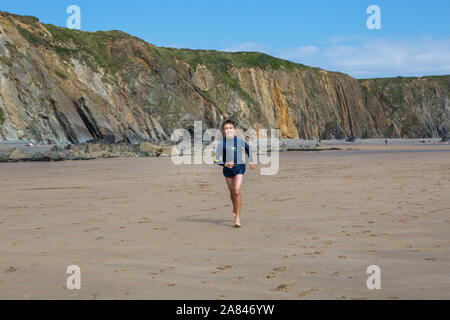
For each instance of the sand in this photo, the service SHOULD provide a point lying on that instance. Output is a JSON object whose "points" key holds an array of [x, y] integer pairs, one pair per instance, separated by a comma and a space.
{"points": [[143, 228]]}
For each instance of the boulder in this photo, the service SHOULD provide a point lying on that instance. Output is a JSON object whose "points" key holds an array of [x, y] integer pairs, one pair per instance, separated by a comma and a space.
{"points": [[150, 149], [16, 155]]}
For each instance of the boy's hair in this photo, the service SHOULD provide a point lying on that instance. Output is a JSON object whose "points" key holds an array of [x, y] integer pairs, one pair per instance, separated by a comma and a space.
{"points": [[229, 121]]}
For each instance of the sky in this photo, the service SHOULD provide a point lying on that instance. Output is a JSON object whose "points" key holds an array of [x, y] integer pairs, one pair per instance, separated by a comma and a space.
{"points": [[413, 39]]}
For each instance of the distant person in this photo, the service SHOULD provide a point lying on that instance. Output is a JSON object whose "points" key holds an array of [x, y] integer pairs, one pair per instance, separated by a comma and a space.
{"points": [[232, 151], [385, 142]]}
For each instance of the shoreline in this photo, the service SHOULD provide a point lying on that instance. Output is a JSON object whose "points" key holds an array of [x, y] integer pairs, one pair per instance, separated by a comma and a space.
{"points": [[21, 152]]}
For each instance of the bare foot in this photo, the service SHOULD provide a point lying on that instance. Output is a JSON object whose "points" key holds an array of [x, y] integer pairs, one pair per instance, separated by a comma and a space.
{"points": [[237, 223], [234, 214]]}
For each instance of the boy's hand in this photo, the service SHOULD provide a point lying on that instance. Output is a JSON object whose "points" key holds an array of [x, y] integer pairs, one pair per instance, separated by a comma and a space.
{"points": [[229, 165], [252, 166]]}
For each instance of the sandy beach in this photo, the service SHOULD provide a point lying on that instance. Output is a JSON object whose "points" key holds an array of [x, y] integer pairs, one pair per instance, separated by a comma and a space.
{"points": [[143, 228]]}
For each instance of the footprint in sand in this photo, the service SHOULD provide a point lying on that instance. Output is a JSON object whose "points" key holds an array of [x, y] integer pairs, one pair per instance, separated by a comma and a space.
{"points": [[238, 280], [11, 269], [221, 269], [93, 296], [168, 268], [284, 287], [224, 268], [272, 274], [280, 269], [305, 293]]}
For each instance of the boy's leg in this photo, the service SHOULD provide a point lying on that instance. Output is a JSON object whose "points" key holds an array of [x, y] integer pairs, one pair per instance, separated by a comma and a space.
{"points": [[237, 195], [230, 184]]}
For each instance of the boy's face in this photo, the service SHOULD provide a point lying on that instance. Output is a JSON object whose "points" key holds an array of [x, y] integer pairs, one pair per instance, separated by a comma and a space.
{"points": [[229, 130]]}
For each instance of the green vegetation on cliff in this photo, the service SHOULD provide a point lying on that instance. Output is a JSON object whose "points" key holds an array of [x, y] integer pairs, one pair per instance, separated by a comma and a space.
{"points": [[443, 82], [87, 45], [90, 47], [2, 116], [222, 60]]}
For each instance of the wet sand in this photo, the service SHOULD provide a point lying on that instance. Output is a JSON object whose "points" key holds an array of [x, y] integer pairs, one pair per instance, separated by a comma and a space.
{"points": [[143, 228]]}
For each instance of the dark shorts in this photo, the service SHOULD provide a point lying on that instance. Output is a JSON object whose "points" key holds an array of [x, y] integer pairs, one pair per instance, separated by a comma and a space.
{"points": [[237, 169]]}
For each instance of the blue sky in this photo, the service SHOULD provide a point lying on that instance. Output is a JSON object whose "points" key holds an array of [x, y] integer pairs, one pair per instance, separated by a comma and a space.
{"points": [[414, 38]]}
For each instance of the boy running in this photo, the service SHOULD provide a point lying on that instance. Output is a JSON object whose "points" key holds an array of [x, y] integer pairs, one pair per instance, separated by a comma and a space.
{"points": [[232, 150]]}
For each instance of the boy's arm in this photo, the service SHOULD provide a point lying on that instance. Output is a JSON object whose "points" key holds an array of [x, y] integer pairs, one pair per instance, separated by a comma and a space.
{"points": [[248, 151], [218, 155]]}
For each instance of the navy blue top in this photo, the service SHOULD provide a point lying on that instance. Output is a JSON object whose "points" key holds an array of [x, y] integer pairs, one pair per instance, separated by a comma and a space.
{"points": [[234, 150]]}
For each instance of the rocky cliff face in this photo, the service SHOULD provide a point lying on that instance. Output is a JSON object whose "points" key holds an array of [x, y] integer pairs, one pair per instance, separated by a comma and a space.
{"points": [[60, 86]]}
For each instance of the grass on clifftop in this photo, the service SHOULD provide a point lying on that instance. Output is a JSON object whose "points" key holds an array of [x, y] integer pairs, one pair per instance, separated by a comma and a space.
{"points": [[220, 59], [67, 42], [396, 83]]}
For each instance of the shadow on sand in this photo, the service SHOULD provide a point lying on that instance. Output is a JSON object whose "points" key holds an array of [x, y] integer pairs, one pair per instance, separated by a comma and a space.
{"points": [[221, 222]]}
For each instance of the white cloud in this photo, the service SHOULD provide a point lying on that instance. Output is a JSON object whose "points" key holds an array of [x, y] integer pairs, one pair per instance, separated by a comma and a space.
{"points": [[361, 57], [377, 58], [247, 46]]}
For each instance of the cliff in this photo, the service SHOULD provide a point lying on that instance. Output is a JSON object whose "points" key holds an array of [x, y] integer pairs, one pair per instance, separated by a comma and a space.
{"points": [[60, 86]]}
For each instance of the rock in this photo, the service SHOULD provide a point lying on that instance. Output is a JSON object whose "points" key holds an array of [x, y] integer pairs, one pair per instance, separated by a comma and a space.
{"points": [[110, 139], [56, 148], [16, 155], [150, 149], [77, 152], [96, 154], [166, 152]]}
